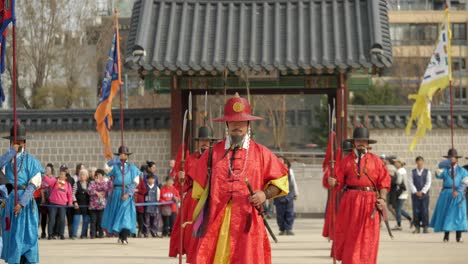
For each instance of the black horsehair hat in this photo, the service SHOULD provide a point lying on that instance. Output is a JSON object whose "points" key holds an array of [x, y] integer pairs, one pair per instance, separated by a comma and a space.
{"points": [[362, 133], [123, 150], [20, 133], [205, 133], [347, 146], [452, 153]]}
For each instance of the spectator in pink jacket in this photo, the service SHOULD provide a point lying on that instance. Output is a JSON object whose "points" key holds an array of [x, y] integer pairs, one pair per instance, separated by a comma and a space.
{"points": [[61, 195]]}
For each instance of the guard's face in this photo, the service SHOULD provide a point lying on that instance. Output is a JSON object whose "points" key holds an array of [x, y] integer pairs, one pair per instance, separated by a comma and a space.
{"points": [[22, 143], [238, 128], [203, 144], [123, 156], [361, 145], [454, 160]]}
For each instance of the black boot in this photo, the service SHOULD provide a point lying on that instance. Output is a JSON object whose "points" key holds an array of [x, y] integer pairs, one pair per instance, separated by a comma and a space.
{"points": [[124, 236], [459, 237], [446, 237]]}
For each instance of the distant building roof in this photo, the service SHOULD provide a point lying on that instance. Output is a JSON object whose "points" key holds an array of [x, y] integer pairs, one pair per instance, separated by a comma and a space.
{"points": [[260, 35], [391, 116]]}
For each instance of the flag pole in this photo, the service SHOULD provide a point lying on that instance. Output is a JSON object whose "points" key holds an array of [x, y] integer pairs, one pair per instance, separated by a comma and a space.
{"points": [[117, 41], [15, 128], [449, 51]]}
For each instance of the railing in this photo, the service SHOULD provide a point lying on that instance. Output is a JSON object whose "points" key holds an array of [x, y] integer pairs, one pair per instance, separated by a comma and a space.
{"points": [[306, 158], [403, 5]]}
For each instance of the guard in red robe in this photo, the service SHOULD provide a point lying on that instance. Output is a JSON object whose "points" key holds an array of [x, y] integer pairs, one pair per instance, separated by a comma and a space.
{"points": [[327, 226], [230, 228], [365, 181], [205, 135]]}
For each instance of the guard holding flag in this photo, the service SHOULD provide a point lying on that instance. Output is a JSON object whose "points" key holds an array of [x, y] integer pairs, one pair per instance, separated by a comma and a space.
{"points": [[119, 216], [20, 230], [365, 181], [450, 211], [230, 228]]}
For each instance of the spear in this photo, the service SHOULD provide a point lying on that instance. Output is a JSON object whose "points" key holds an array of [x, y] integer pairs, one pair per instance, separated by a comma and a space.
{"points": [[15, 125], [190, 122], [205, 112], [181, 183]]}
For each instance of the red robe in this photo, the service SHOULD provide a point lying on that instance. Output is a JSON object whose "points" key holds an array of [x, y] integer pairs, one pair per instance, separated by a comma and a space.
{"points": [[247, 238], [327, 225], [189, 242], [357, 234], [139, 196]]}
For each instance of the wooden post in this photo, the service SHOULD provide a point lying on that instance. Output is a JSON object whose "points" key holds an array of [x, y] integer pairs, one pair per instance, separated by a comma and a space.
{"points": [[179, 103]]}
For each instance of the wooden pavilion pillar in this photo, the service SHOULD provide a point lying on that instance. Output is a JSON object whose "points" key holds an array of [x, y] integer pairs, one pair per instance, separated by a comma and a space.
{"points": [[179, 102]]}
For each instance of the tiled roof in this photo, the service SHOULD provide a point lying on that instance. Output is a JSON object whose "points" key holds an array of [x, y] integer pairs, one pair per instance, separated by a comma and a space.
{"points": [[83, 119], [212, 35], [379, 117]]}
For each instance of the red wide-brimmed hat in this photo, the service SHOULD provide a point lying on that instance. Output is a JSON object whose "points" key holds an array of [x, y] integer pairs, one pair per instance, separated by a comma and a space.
{"points": [[237, 109]]}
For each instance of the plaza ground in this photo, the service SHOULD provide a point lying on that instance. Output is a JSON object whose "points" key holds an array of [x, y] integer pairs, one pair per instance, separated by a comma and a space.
{"points": [[307, 246]]}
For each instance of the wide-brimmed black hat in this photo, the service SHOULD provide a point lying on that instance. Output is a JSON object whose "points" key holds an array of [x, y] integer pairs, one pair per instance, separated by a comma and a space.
{"points": [[123, 150], [452, 153], [362, 133], [347, 146], [204, 133], [20, 133]]}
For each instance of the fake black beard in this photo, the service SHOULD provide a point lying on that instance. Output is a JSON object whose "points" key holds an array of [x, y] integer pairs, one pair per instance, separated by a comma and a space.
{"points": [[236, 140]]}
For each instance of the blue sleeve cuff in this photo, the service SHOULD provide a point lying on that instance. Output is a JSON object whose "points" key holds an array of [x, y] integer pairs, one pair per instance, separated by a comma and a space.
{"points": [[130, 189], [445, 164], [27, 195], [5, 158], [113, 162]]}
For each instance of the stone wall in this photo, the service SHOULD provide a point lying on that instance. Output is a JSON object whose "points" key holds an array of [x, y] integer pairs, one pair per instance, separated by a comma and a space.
{"points": [[435, 145], [72, 147]]}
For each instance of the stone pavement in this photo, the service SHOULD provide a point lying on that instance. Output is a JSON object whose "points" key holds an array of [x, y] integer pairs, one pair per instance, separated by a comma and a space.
{"points": [[307, 246]]}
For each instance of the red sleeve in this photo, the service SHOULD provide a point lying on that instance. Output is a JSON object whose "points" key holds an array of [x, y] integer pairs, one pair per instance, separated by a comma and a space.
{"points": [[199, 168], [340, 170], [325, 179], [273, 168]]}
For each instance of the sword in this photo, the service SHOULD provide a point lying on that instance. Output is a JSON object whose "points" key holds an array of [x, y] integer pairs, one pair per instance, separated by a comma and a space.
{"points": [[383, 214], [261, 212]]}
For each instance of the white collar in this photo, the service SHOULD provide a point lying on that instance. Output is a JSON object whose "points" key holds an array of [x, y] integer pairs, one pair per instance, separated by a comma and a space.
{"points": [[20, 153], [245, 142], [151, 185], [357, 154]]}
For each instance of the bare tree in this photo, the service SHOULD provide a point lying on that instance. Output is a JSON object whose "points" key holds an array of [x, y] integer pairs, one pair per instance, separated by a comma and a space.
{"points": [[49, 42], [275, 108]]}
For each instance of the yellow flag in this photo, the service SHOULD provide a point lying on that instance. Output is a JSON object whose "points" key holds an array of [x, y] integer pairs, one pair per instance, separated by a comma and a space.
{"points": [[437, 77]]}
